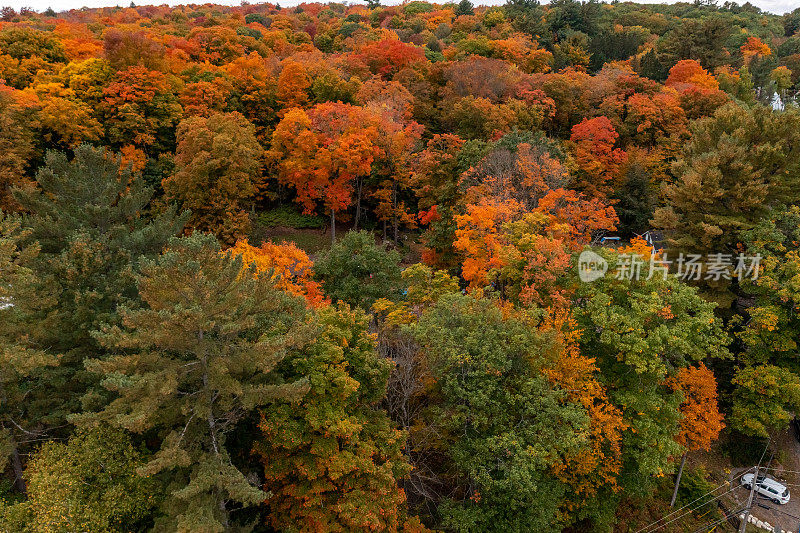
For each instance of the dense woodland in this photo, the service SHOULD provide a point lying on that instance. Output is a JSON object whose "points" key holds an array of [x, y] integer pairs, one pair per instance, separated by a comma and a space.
{"points": [[167, 364]]}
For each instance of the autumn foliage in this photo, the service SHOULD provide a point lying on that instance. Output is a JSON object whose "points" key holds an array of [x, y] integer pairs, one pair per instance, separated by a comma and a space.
{"points": [[316, 268], [286, 264], [702, 421], [599, 162], [320, 153]]}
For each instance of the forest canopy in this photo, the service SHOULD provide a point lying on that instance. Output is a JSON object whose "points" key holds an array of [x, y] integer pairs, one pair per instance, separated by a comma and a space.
{"points": [[321, 268]]}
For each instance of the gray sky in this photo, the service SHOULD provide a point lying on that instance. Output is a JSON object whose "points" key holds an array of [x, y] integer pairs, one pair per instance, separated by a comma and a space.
{"points": [[774, 6]]}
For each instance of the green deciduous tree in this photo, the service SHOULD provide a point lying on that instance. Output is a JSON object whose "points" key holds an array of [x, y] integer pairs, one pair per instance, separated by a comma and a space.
{"points": [[764, 399], [767, 385], [89, 483], [772, 331], [358, 271], [333, 462], [194, 360], [502, 424], [21, 42], [642, 332]]}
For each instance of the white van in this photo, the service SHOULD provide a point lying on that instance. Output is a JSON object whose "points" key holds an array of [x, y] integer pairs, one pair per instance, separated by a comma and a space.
{"points": [[768, 488]]}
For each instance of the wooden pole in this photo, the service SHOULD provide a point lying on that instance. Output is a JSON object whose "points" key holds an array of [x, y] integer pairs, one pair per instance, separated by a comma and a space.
{"points": [[678, 481]]}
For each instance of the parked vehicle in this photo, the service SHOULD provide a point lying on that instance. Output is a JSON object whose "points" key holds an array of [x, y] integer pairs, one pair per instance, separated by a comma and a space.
{"points": [[768, 488]]}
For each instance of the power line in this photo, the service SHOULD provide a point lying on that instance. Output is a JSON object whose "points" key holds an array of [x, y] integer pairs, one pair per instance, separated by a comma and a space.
{"points": [[782, 470], [682, 508], [711, 525], [665, 517], [690, 511], [743, 526], [779, 511]]}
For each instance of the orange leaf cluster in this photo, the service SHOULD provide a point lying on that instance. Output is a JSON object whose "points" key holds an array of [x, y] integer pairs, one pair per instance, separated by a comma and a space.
{"points": [[702, 421], [599, 464], [479, 238], [754, 47], [320, 152], [286, 264], [599, 163]]}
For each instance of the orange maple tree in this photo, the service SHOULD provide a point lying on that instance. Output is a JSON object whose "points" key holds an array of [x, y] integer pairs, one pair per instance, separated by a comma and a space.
{"points": [[702, 421], [321, 152], [690, 72], [599, 464], [79, 41], [396, 140], [522, 212], [17, 110], [287, 265], [699, 90], [754, 47], [387, 57], [293, 84], [480, 239], [256, 87], [532, 264], [205, 97], [656, 121], [140, 108], [599, 163], [573, 216]]}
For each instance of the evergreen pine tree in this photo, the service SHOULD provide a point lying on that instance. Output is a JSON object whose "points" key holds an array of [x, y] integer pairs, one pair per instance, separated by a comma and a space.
{"points": [[19, 359], [195, 359], [464, 7], [651, 67], [88, 216]]}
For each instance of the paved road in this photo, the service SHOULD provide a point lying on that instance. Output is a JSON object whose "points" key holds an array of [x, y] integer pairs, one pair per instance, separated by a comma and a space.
{"points": [[780, 516]]}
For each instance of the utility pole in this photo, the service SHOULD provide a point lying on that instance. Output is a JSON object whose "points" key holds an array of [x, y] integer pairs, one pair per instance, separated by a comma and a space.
{"points": [[743, 525], [678, 481]]}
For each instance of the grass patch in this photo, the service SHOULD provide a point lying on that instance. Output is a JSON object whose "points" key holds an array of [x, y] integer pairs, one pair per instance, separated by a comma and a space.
{"points": [[310, 242], [287, 216]]}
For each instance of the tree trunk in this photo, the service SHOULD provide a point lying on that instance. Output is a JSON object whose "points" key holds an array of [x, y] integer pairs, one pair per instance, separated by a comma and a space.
{"points": [[333, 227], [358, 205], [394, 212], [678, 481], [16, 465], [224, 510]]}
